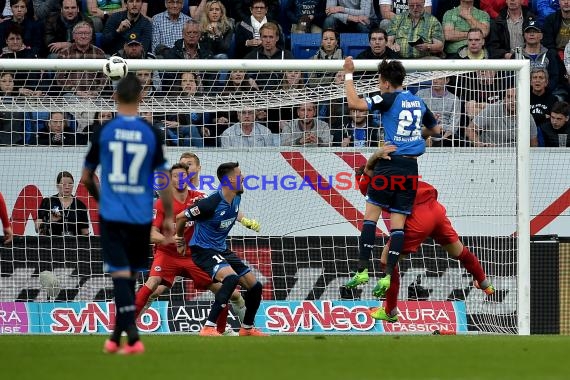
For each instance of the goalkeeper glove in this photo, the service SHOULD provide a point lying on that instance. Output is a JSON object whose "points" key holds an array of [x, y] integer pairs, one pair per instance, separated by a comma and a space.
{"points": [[252, 224]]}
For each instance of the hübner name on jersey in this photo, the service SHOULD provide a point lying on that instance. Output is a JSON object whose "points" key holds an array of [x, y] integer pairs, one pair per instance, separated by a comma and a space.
{"points": [[412, 104], [128, 189], [128, 135]]}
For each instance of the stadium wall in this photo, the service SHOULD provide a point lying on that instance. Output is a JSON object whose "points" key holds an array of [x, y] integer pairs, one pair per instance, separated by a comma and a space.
{"points": [[473, 205]]}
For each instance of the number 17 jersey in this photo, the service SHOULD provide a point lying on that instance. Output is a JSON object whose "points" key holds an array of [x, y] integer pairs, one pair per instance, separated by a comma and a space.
{"points": [[403, 115], [129, 150]]}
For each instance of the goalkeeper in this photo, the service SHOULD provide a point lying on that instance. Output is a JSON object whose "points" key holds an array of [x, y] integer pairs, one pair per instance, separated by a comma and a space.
{"points": [[214, 217], [428, 219]]}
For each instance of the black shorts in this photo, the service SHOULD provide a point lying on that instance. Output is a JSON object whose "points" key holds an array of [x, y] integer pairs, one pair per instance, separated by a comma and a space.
{"points": [[210, 261], [394, 184], [125, 246]]}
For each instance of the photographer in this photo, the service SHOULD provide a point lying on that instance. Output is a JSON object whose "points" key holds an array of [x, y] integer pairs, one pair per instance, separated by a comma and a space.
{"points": [[62, 213]]}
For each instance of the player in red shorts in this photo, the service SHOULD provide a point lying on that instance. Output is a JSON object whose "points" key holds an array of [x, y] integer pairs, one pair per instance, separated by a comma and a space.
{"points": [[167, 263], [428, 219]]}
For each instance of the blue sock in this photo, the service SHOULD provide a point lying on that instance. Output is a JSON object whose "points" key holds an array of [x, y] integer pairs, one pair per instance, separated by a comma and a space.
{"points": [[124, 310], [366, 245], [396, 246]]}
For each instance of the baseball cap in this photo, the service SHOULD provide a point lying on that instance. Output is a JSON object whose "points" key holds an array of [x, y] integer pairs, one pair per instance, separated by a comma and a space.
{"points": [[532, 25], [134, 39]]}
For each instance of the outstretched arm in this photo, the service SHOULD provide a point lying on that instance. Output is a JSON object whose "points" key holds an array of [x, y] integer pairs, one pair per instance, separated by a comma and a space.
{"points": [[353, 100]]}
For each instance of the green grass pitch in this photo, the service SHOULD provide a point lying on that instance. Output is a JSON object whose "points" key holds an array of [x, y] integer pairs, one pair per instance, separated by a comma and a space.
{"points": [[289, 357]]}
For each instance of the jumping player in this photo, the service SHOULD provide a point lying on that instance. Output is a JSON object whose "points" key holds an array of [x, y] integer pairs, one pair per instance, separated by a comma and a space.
{"points": [[403, 115]]}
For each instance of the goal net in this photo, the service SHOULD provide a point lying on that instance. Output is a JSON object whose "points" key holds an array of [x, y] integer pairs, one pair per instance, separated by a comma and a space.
{"points": [[299, 161]]}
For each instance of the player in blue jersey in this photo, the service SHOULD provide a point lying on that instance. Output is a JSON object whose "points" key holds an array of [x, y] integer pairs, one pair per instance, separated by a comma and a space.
{"points": [[395, 179], [129, 150], [213, 218]]}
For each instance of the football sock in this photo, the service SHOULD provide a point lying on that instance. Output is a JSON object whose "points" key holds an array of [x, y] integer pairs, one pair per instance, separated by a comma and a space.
{"points": [[221, 300], [252, 300], [472, 265], [222, 320], [396, 245], [392, 292], [367, 239], [125, 310], [141, 298]]}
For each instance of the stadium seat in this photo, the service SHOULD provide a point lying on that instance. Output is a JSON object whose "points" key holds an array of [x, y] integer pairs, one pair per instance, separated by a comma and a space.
{"points": [[352, 44], [186, 7], [305, 45]]}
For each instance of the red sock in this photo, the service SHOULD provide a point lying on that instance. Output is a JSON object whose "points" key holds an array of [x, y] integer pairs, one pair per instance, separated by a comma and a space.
{"points": [[141, 298], [471, 264], [393, 290], [222, 320]]}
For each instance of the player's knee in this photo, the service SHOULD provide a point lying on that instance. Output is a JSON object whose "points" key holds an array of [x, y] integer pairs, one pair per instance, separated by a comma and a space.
{"points": [[256, 289], [229, 284]]}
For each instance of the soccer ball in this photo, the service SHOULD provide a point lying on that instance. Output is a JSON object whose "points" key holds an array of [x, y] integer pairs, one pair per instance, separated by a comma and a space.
{"points": [[115, 68]]}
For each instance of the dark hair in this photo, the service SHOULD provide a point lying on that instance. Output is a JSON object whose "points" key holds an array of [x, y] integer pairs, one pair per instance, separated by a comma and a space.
{"points": [[378, 30], [225, 169], [14, 29], [561, 108], [393, 72], [336, 35], [129, 89], [179, 165], [63, 174]]}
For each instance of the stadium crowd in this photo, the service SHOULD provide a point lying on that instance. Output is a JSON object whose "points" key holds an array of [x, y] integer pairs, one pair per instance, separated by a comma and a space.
{"points": [[475, 109]]}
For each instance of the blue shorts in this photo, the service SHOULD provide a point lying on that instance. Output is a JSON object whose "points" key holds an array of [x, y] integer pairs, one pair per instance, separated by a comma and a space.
{"points": [[210, 261]]}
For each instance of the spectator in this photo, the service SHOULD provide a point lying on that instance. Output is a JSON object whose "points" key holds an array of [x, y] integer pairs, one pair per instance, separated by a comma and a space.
{"points": [[507, 29], [391, 8], [100, 10], [496, 124], [31, 29], [275, 118], [121, 25], [151, 8], [556, 28], [306, 16], [541, 56], [541, 100], [475, 48], [247, 32], [355, 16], [59, 27], [12, 128], [378, 49], [242, 9], [246, 133], [145, 77], [239, 82], [415, 33], [167, 26], [479, 89], [28, 83], [62, 213], [133, 49], [270, 36], [446, 108], [101, 117], [217, 30], [544, 8], [458, 21], [333, 111], [41, 9], [358, 132], [190, 127], [307, 130], [494, 7], [554, 131], [329, 50], [83, 84], [57, 133], [170, 137]]}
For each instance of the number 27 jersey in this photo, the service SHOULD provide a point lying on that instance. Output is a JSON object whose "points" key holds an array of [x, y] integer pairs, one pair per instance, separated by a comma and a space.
{"points": [[403, 115]]}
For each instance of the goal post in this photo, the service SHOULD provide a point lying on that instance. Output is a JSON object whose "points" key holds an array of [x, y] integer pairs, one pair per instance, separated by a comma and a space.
{"points": [[304, 255]]}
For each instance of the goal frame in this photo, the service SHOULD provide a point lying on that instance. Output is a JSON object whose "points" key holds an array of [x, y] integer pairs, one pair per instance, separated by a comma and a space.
{"points": [[521, 67]]}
